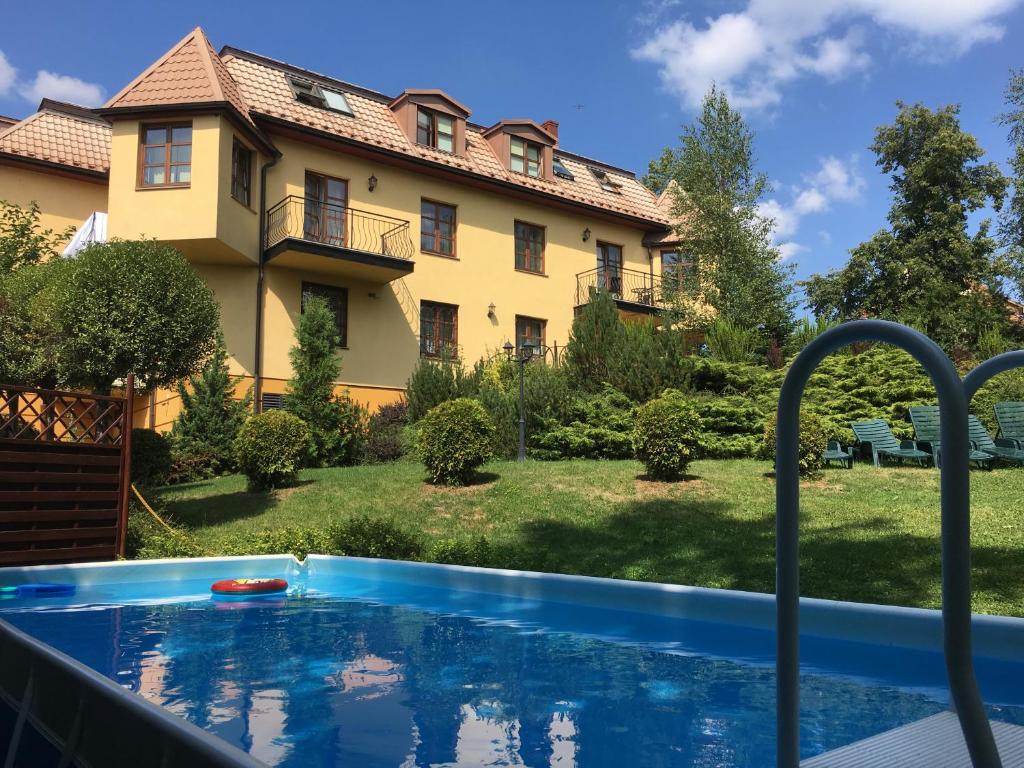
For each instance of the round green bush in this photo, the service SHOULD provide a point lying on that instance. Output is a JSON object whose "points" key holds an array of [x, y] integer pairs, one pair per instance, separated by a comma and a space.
{"points": [[813, 440], [151, 457], [667, 435], [455, 438], [269, 449]]}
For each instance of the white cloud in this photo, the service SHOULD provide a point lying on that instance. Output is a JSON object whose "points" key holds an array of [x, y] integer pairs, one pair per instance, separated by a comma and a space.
{"points": [[754, 52], [50, 85], [8, 74], [62, 88], [789, 249], [833, 181]]}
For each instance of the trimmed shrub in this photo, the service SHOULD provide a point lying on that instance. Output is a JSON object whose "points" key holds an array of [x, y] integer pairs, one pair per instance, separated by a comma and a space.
{"points": [[666, 435], [813, 440], [192, 467], [384, 432], [733, 426], [455, 438], [364, 536], [270, 447], [151, 457]]}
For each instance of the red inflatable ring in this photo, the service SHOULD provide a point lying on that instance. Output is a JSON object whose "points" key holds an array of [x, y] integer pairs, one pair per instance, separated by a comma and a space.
{"points": [[249, 587]]}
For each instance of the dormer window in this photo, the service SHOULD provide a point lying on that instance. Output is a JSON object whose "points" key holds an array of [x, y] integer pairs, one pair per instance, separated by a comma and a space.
{"points": [[435, 130], [608, 184], [525, 157], [308, 92]]}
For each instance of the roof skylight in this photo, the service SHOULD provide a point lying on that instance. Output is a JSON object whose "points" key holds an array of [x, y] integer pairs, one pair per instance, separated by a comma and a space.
{"points": [[560, 170], [608, 184], [310, 93]]}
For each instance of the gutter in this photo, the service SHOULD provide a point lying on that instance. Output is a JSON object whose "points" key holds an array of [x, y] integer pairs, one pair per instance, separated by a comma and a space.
{"points": [[257, 368]]}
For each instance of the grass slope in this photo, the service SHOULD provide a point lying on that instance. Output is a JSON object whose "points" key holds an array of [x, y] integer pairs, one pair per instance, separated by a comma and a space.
{"points": [[869, 535]]}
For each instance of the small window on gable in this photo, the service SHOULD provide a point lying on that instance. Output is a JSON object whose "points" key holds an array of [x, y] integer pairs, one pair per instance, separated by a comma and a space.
{"points": [[560, 170], [436, 130], [525, 157], [608, 184], [314, 95]]}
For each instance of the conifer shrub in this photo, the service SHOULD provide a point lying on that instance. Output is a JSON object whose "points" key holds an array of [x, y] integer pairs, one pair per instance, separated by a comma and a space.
{"points": [[433, 382], [151, 457], [455, 438], [384, 432], [270, 448], [666, 435], [336, 423], [205, 429], [598, 426]]}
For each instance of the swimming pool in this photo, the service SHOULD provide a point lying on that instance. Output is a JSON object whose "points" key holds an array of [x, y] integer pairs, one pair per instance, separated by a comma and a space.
{"points": [[378, 663]]}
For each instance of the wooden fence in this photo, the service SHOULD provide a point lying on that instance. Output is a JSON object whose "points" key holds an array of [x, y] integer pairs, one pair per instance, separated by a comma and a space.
{"points": [[64, 475]]}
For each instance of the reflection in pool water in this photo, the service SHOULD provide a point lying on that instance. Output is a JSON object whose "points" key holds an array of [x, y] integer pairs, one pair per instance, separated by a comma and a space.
{"points": [[325, 681]]}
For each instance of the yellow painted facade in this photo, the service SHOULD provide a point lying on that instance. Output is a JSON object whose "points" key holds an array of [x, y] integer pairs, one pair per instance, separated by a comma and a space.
{"points": [[221, 237], [65, 201]]}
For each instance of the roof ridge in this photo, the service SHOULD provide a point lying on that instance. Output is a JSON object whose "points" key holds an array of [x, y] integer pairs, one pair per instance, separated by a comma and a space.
{"points": [[152, 67], [70, 109]]}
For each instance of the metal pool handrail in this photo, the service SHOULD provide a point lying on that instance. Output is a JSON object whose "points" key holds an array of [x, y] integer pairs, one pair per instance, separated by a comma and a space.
{"points": [[956, 543], [92, 720]]}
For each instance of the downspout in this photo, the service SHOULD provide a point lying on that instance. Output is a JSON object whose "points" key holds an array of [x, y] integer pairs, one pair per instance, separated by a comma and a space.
{"points": [[258, 362]]}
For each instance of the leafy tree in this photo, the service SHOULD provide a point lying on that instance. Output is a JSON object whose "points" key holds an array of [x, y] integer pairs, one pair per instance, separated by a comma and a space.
{"points": [[1011, 225], [926, 269], [210, 416], [336, 423], [132, 306], [29, 335], [717, 190], [23, 240]]}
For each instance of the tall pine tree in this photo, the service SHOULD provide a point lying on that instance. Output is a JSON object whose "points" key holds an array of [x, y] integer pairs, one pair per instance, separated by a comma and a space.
{"points": [[1011, 224], [210, 417]]}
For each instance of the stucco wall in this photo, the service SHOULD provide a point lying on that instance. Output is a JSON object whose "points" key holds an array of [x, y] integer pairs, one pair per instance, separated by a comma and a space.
{"points": [[63, 201]]}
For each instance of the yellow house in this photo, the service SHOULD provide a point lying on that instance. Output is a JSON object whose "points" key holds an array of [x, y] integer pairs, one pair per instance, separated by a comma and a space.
{"points": [[425, 232]]}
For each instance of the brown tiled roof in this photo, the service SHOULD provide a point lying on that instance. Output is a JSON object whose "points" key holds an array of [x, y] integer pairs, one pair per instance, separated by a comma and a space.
{"points": [[6, 121], [666, 204], [59, 133], [191, 72], [264, 86]]}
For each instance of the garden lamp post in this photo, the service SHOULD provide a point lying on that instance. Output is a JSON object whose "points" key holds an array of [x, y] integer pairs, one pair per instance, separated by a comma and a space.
{"points": [[523, 357]]}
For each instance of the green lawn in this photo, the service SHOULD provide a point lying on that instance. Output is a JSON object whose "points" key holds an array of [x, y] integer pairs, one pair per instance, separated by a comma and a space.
{"points": [[868, 535]]}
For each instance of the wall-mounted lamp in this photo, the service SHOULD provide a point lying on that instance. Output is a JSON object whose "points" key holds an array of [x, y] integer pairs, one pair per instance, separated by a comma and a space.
{"points": [[490, 310], [371, 182], [586, 234]]}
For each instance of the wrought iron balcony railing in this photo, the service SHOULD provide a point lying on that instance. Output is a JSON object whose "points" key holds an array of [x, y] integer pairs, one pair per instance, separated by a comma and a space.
{"points": [[311, 220], [626, 285]]}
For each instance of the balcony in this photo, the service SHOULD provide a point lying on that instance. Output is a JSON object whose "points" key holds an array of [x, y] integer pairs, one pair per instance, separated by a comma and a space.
{"points": [[305, 233], [634, 291]]}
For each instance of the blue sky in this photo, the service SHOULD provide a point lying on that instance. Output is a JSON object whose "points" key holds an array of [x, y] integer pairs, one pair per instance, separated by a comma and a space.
{"points": [[814, 77]]}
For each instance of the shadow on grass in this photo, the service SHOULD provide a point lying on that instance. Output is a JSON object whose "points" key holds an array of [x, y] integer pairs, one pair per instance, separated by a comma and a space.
{"points": [[478, 478], [222, 508], [697, 542]]}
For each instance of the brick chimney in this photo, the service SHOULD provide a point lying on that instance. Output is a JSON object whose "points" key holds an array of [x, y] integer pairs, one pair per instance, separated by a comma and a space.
{"points": [[551, 126]]}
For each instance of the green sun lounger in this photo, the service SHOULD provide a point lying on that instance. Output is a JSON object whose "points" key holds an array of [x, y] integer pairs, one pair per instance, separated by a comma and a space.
{"points": [[835, 452], [1010, 415], [925, 419], [876, 435], [1003, 449]]}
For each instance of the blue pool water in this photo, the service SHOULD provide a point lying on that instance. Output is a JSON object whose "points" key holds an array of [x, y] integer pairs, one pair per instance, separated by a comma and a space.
{"points": [[359, 672]]}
